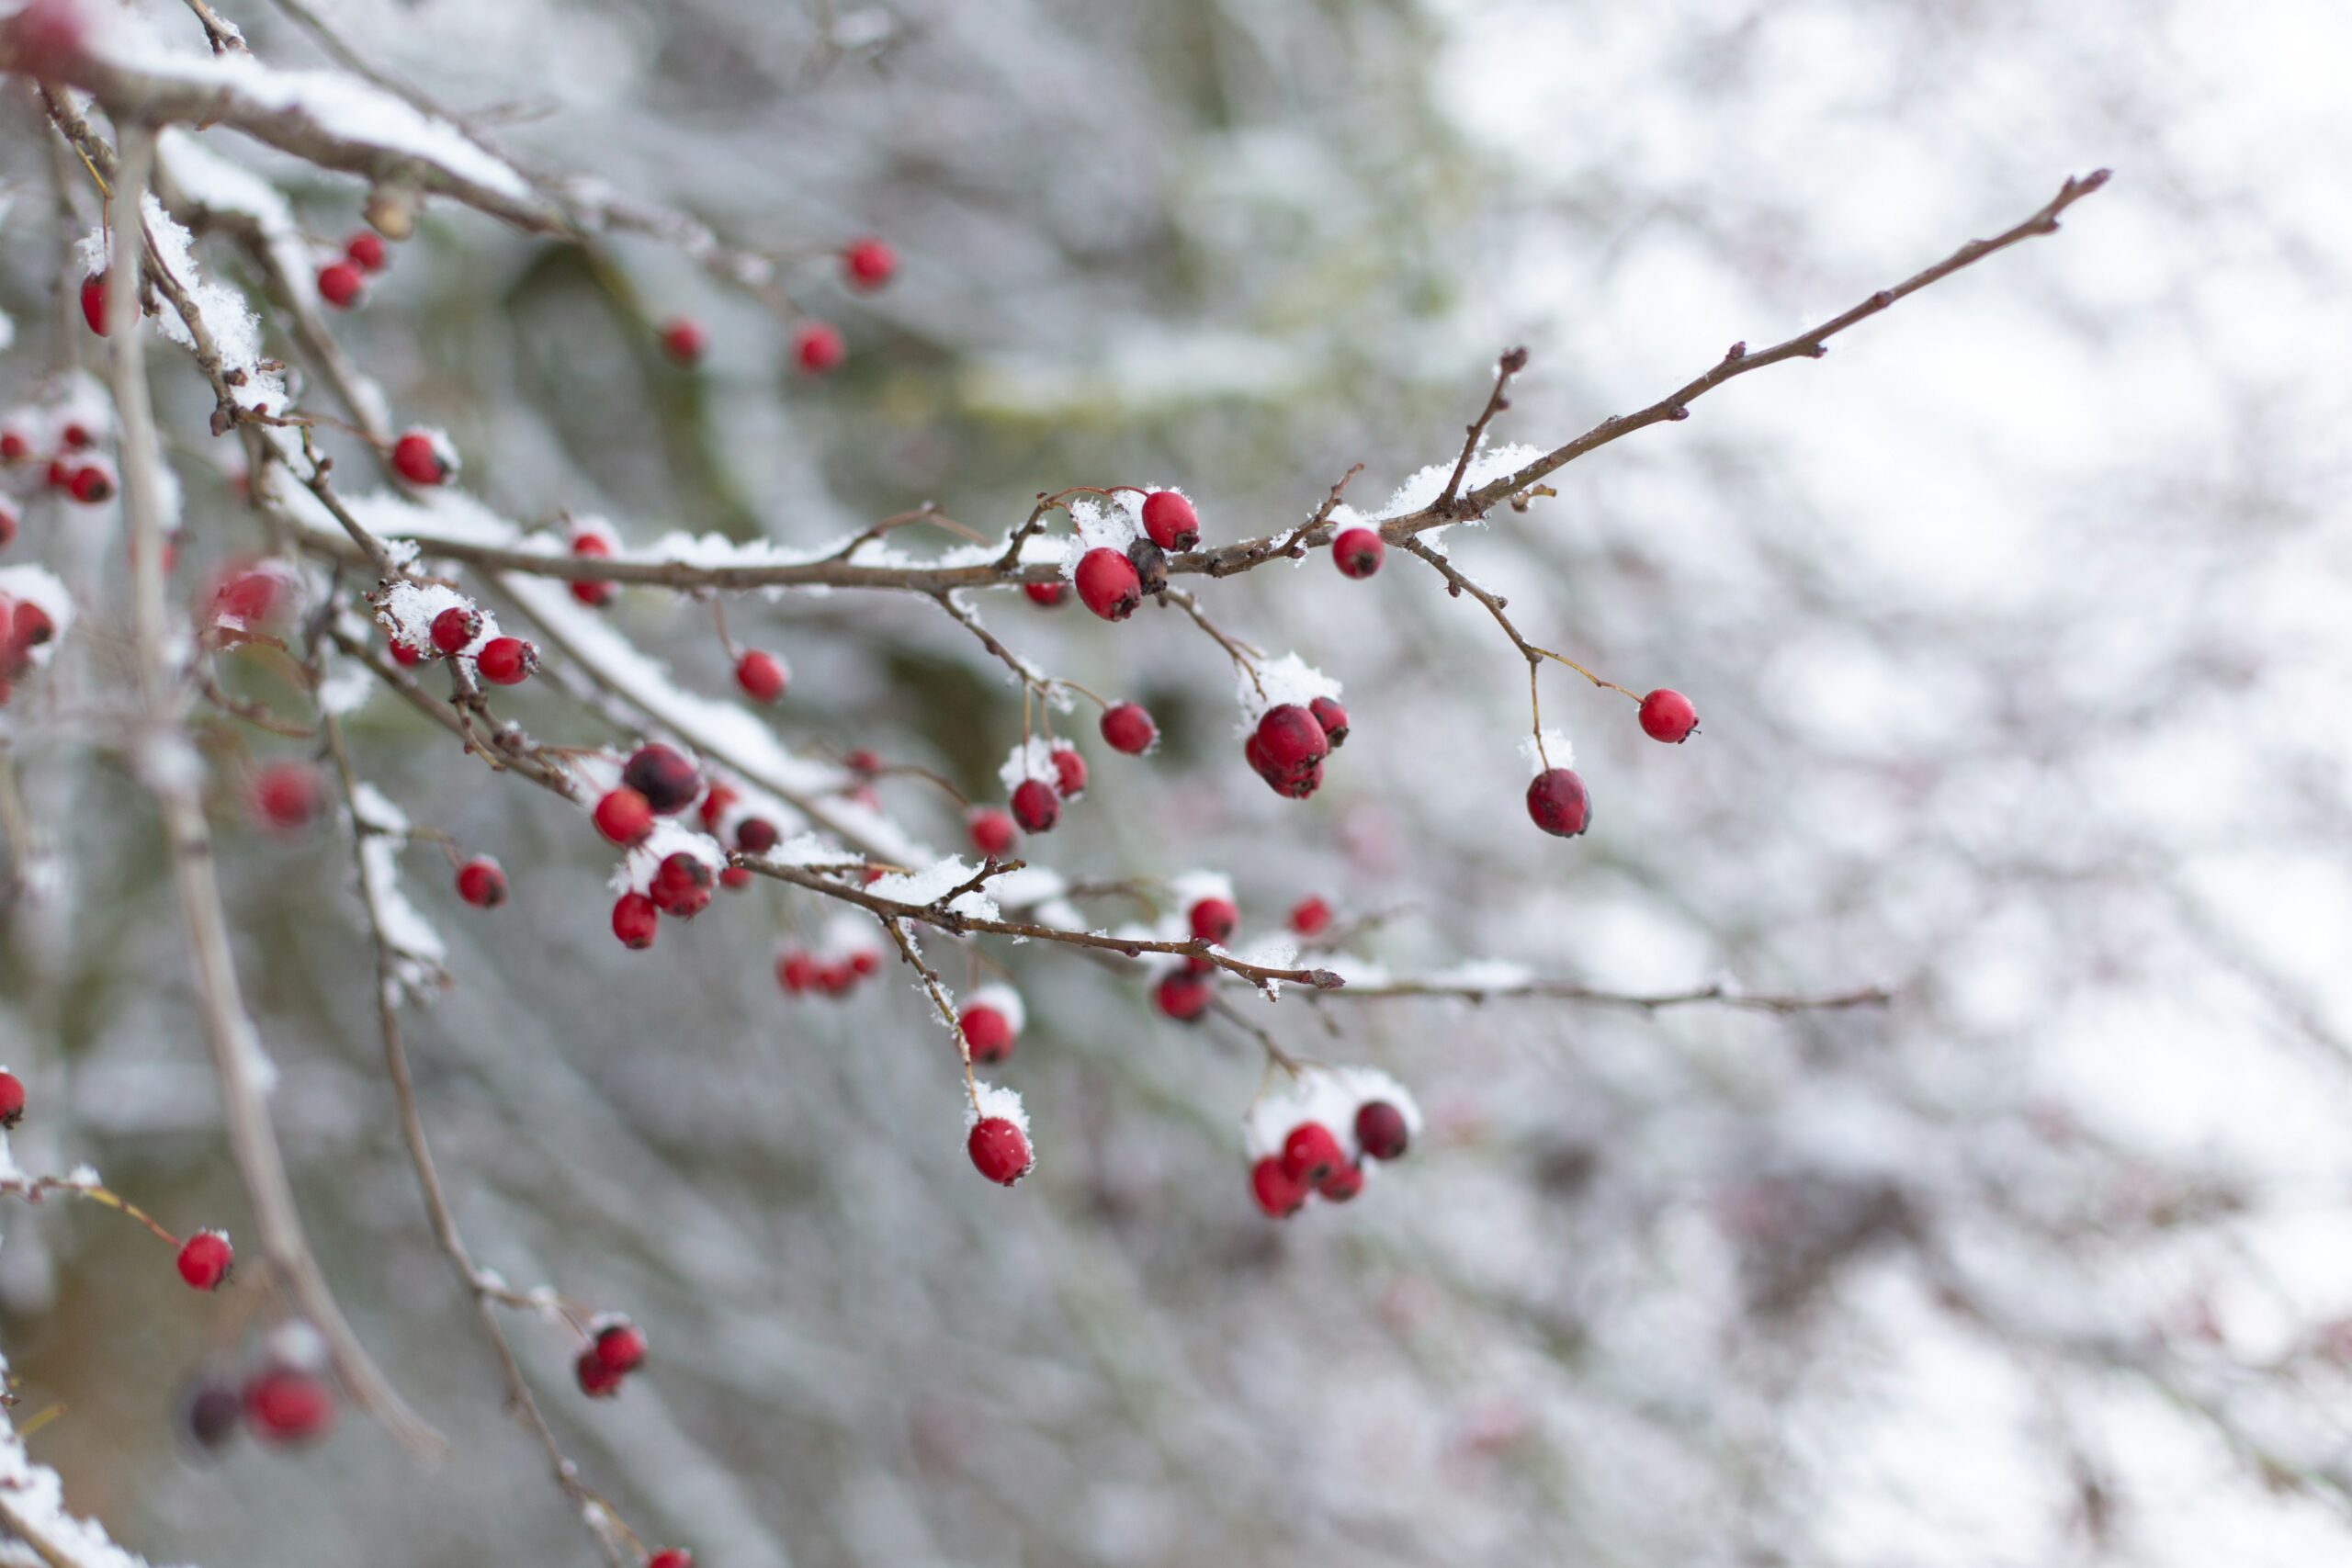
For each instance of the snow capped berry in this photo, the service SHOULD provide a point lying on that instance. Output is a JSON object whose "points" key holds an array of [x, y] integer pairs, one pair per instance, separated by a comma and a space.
{"points": [[1108, 584], [1278, 1192], [1151, 566], [682, 340], [1344, 1182], [1357, 552], [1381, 1129], [92, 483], [420, 459], [1557, 802], [288, 795], [287, 1405], [1182, 994], [671, 1557], [364, 251], [1310, 1153], [597, 1380], [667, 780], [635, 919], [12, 1099], [1311, 916], [1213, 919], [992, 830], [454, 629], [817, 349], [1069, 771], [680, 885], [869, 264], [1128, 728], [204, 1259], [755, 836], [94, 301], [619, 1346], [1049, 594], [1036, 807], [1170, 521], [762, 675], [507, 660], [481, 884], [339, 283], [623, 816], [1667, 715], [999, 1150], [1333, 719], [991, 1022]]}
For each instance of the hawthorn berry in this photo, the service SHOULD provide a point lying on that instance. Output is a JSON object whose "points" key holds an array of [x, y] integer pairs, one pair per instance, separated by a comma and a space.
{"points": [[755, 836], [597, 1380], [1278, 1192], [817, 349], [864, 961], [1049, 594], [454, 629], [1310, 1153], [671, 1557], [623, 816], [1357, 552], [594, 547], [762, 675], [988, 1033], [795, 970], [1344, 1182], [93, 300], [507, 660], [1036, 807], [12, 1099], [1381, 1129], [869, 264], [992, 830], [1557, 802], [403, 655], [1287, 750], [1213, 919], [667, 780], [339, 283], [634, 921], [714, 803], [76, 437], [287, 1405], [13, 447], [1333, 719], [999, 1150], [1107, 584], [680, 885], [1128, 728], [1182, 996], [1069, 771], [211, 1411], [1151, 566], [420, 459], [481, 884], [682, 340], [91, 485], [1311, 916], [620, 1346], [366, 251], [286, 796], [835, 979], [1170, 521], [204, 1259], [245, 596], [1667, 715]]}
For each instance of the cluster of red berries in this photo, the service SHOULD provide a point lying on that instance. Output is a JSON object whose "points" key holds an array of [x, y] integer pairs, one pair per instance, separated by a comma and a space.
{"points": [[1113, 583], [1314, 1140], [73, 465], [343, 279], [1054, 772], [1556, 799], [592, 539], [817, 346], [849, 953], [24, 629], [729, 817], [285, 1398], [457, 631], [1289, 742], [657, 781], [616, 1347]]}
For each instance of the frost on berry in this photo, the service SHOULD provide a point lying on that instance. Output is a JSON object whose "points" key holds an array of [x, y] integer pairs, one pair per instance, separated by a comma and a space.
{"points": [[991, 1019], [1305, 1127], [997, 1135], [482, 882]]}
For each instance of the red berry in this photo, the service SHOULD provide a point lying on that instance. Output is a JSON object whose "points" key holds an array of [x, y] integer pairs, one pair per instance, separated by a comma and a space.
{"points": [[1358, 551], [204, 1260], [1557, 802], [833, 979], [1069, 771], [595, 595], [680, 885], [366, 251], [12, 1099], [597, 1380], [816, 347], [1344, 1182], [13, 447], [246, 596], [454, 629], [1036, 807], [287, 1404], [671, 1557], [288, 795], [339, 283], [1311, 1153], [667, 780], [864, 961], [988, 1033], [1278, 1192], [1311, 916], [795, 970], [635, 919], [999, 1150], [76, 437], [1170, 521], [94, 301], [863, 761], [682, 340], [1213, 919], [1182, 996], [92, 484], [1667, 715], [1049, 594], [507, 660], [418, 458], [1287, 750], [735, 879], [869, 264], [762, 676], [715, 802], [403, 655], [481, 884], [991, 830], [1333, 719], [1382, 1130], [755, 836], [7, 526], [620, 1347], [1126, 727], [1108, 584], [623, 817]]}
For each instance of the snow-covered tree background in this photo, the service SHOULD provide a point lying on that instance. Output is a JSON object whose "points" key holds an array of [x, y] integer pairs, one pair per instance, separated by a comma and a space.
{"points": [[1905, 1127]]}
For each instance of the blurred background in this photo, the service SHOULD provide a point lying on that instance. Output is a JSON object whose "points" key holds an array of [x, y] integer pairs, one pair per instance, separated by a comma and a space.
{"points": [[2012, 624]]}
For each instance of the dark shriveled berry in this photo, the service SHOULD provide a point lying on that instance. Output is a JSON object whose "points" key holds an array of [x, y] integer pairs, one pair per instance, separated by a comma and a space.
{"points": [[667, 780], [1151, 566]]}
